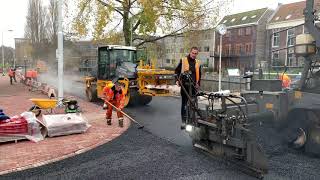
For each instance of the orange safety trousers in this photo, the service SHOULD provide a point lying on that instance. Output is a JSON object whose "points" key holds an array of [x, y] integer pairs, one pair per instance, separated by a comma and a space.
{"points": [[109, 109]]}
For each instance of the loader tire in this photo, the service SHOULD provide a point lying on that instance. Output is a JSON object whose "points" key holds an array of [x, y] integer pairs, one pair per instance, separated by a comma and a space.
{"points": [[136, 99], [309, 121], [312, 146], [91, 94], [145, 100]]}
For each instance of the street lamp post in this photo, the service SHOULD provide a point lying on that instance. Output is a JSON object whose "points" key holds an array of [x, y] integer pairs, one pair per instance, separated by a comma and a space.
{"points": [[213, 49], [60, 51], [222, 29], [14, 53], [2, 56]]}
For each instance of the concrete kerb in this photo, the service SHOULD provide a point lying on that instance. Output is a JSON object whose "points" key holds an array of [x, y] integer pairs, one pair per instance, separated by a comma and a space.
{"points": [[59, 158]]}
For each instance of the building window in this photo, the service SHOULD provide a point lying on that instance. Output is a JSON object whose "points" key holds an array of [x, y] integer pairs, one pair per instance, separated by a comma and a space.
{"points": [[248, 48], [248, 30], [168, 50], [241, 32], [200, 50], [276, 40], [241, 49], [229, 49], [181, 50], [288, 17], [237, 50], [290, 60], [206, 49], [225, 50], [291, 37], [275, 59], [168, 61]]}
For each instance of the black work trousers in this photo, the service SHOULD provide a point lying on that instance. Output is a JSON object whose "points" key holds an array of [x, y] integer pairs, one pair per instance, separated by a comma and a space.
{"points": [[184, 101], [12, 78]]}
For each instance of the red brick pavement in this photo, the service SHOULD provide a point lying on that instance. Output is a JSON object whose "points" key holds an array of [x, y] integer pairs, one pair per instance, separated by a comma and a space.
{"points": [[14, 99]]}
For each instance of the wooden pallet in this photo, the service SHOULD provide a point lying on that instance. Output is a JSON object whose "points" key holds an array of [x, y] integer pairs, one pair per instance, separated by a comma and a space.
{"points": [[11, 138]]}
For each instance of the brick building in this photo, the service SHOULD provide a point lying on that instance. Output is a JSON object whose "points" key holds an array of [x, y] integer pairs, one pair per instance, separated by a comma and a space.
{"points": [[284, 25], [178, 46], [244, 44]]}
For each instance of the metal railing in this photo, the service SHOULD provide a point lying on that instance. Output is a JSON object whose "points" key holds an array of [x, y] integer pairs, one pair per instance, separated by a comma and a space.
{"points": [[234, 84]]}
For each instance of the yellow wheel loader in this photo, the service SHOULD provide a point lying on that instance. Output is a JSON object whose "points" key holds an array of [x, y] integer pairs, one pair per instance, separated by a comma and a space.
{"points": [[141, 81]]}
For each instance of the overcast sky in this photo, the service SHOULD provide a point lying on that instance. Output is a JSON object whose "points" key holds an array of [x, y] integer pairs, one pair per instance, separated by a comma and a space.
{"points": [[13, 15]]}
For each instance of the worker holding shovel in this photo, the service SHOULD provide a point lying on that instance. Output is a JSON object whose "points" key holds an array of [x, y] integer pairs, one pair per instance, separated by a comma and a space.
{"points": [[114, 97]]}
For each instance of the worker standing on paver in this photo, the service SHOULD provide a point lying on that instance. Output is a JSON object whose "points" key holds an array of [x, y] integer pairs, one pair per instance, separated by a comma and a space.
{"points": [[113, 93], [12, 75], [192, 65]]}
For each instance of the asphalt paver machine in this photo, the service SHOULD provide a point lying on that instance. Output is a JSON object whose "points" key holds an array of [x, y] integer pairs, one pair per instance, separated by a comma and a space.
{"points": [[287, 116]]}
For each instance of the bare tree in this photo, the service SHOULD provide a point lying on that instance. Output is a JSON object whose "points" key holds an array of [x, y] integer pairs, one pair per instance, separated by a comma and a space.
{"points": [[52, 22], [35, 27]]}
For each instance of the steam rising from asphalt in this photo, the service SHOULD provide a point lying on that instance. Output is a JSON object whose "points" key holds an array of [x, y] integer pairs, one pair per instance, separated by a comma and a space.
{"points": [[73, 83]]}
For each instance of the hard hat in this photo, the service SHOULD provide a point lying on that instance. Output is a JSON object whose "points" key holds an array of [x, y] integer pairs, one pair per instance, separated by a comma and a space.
{"points": [[110, 85], [116, 81]]}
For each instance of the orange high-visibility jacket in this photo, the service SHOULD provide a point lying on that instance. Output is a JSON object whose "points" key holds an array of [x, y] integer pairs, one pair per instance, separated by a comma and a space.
{"points": [[286, 81], [110, 96], [29, 74], [34, 73], [185, 67], [11, 73]]}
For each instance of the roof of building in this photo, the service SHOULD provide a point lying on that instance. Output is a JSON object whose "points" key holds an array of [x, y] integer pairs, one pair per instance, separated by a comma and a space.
{"points": [[248, 17], [292, 11]]}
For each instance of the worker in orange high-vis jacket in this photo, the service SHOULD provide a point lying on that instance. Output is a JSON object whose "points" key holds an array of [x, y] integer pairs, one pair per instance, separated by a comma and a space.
{"points": [[113, 93], [192, 65], [286, 80], [12, 75]]}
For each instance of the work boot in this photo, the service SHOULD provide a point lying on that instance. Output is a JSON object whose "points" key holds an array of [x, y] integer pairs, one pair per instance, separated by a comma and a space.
{"points": [[183, 126], [120, 122], [109, 122], [104, 106]]}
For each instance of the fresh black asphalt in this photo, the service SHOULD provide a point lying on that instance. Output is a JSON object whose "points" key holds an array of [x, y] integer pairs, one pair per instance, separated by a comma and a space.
{"points": [[162, 151]]}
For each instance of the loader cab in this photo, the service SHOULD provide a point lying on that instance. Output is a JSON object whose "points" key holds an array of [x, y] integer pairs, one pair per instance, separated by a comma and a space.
{"points": [[112, 56]]}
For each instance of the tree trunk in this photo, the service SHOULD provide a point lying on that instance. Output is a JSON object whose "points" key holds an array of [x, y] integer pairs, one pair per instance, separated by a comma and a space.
{"points": [[126, 32], [126, 23]]}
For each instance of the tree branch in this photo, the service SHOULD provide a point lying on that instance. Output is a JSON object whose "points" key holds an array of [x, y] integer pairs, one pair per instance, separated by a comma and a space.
{"points": [[105, 4], [136, 25], [119, 1], [158, 38], [161, 37], [133, 1]]}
